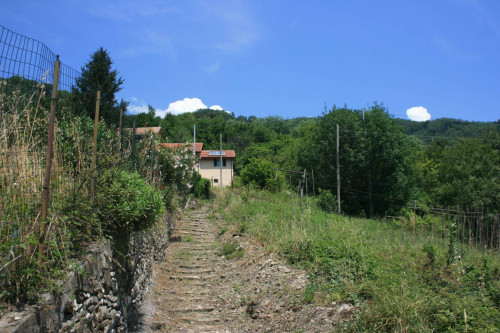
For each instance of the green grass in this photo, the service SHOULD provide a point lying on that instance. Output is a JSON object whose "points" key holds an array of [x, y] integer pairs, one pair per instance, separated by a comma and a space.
{"points": [[400, 280]]}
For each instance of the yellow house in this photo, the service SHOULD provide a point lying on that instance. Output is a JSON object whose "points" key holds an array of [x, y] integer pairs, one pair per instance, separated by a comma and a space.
{"points": [[208, 162], [209, 166]]}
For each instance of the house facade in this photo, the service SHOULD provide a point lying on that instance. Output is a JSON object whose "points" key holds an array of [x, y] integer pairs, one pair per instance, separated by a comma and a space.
{"points": [[209, 166], [208, 162]]}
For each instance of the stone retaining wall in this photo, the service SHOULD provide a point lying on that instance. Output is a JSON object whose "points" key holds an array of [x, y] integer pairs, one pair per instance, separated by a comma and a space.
{"points": [[102, 294]]}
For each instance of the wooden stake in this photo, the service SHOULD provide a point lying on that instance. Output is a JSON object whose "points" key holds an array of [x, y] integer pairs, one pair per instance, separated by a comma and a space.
{"points": [[48, 160], [338, 170], [94, 145]]}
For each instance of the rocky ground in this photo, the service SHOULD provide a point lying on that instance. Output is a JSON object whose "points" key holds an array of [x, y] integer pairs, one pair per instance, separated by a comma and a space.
{"points": [[197, 289]]}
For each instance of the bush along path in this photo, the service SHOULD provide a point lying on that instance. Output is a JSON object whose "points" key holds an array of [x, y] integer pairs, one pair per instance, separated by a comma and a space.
{"points": [[217, 279]]}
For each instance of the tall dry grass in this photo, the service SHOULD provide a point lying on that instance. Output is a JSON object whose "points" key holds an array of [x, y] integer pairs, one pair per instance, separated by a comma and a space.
{"points": [[23, 132]]}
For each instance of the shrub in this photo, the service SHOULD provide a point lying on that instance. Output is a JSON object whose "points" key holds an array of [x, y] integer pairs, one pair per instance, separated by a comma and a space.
{"points": [[125, 202], [327, 201], [201, 187], [260, 173]]}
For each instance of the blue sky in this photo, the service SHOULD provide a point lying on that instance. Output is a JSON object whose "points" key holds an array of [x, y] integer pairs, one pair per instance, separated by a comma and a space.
{"points": [[284, 57]]}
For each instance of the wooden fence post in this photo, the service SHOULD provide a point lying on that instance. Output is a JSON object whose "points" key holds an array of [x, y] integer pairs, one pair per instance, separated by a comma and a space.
{"points": [[94, 146], [48, 160], [338, 170]]}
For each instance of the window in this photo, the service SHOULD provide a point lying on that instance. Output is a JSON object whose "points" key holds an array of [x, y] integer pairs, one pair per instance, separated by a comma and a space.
{"points": [[216, 181], [217, 162]]}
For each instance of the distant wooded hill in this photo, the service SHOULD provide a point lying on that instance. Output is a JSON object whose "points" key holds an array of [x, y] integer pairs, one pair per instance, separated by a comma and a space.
{"points": [[446, 127]]}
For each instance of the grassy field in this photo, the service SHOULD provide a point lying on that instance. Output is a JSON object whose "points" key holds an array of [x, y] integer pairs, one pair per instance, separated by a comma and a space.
{"points": [[400, 279]]}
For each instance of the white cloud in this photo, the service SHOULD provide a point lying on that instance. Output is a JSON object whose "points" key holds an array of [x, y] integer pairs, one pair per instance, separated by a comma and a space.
{"points": [[135, 109], [177, 107], [143, 108], [418, 113], [186, 105]]}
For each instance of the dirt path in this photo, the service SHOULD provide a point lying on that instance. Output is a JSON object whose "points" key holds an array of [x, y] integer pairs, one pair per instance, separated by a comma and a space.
{"points": [[196, 289]]}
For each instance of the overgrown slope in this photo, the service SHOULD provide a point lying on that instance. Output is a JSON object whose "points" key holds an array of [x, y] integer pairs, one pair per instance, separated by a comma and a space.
{"points": [[400, 278]]}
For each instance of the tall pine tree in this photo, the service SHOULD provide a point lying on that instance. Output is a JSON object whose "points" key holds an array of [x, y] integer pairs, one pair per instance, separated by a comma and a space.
{"points": [[97, 74]]}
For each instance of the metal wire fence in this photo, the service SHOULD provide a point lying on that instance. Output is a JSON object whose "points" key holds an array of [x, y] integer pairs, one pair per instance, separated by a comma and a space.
{"points": [[26, 78], [27, 75], [29, 59], [470, 229]]}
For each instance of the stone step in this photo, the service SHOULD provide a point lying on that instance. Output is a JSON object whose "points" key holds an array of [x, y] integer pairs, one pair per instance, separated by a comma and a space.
{"points": [[192, 309], [196, 249], [195, 271], [200, 321], [193, 266], [194, 228], [194, 283], [195, 245], [207, 329], [196, 224], [188, 299], [199, 317], [172, 293], [186, 277], [204, 329], [195, 235]]}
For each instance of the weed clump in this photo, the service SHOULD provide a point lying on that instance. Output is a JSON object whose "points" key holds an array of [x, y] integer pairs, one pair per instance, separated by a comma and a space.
{"points": [[231, 250]]}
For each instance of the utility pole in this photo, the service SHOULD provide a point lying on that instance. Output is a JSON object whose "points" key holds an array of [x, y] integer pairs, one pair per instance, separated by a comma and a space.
{"points": [[338, 170], [220, 155], [194, 141], [370, 197]]}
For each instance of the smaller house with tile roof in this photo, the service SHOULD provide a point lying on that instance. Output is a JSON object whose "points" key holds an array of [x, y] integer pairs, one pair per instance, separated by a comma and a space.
{"points": [[189, 146], [208, 162], [210, 167], [141, 132]]}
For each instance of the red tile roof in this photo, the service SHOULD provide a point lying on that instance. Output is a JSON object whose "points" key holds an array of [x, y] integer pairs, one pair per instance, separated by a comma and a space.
{"points": [[199, 146], [215, 154]]}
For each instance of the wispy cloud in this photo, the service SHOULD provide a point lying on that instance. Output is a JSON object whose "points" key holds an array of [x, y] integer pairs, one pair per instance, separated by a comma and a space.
{"points": [[484, 15], [240, 25], [208, 32], [211, 68], [453, 50], [153, 43], [131, 10]]}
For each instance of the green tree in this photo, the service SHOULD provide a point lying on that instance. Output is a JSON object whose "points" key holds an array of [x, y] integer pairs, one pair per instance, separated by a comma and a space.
{"points": [[318, 153], [390, 161], [259, 172], [375, 157], [144, 119], [97, 74]]}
